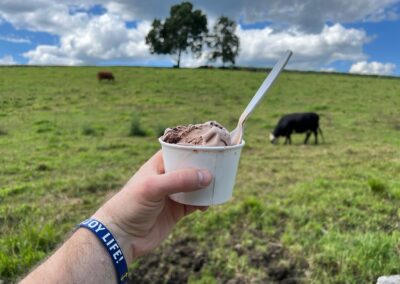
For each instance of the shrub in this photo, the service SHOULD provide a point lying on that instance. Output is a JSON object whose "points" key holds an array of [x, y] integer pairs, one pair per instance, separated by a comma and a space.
{"points": [[2, 131], [88, 130], [159, 130], [136, 127], [42, 167], [378, 187]]}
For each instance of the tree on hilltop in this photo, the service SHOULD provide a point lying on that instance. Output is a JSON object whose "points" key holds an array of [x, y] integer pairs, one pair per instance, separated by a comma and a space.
{"points": [[184, 29], [223, 41]]}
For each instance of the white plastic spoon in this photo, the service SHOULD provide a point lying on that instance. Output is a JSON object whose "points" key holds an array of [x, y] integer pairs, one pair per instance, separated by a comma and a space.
{"points": [[237, 133]]}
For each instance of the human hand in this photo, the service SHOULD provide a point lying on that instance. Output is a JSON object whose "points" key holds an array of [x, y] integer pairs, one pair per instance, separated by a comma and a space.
{"points": [[142, 215]]}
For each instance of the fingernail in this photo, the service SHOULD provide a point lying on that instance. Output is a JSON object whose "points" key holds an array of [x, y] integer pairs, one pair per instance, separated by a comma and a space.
{"points": [[204, 177]]}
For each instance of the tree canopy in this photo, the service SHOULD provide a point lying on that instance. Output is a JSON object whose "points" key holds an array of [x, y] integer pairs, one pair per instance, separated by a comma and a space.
{"points": [[184, 29], [223, 42]]}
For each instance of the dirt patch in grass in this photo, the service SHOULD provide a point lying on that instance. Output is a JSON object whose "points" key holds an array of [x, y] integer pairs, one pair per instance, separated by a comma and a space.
{"points": [[186, 259], [173, 264], [278, 264]]}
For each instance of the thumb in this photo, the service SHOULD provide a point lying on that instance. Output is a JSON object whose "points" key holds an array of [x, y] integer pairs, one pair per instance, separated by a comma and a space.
{"points": [[186, 180]]}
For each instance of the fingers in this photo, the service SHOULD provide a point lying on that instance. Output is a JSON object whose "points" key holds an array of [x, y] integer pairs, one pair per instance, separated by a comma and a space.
{"points": [[186, 180], [155, 165]]}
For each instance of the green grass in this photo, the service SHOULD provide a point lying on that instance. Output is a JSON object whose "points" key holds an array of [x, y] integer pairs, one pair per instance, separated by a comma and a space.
{"points": [[67, 141]]}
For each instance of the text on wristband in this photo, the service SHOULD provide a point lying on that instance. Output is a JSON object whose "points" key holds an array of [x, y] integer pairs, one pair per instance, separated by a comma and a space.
{"points": [[107, 239]]}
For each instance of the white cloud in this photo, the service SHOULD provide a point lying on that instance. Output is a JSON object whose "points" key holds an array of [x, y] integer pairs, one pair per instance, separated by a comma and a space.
{"points": [[42, 15], [103, 38], [107, 38], [50, 55], [373, 68], [263, 47], [7, 60], [299, 25], [309, 15], [189, 61], [15, 39], [327, 69]]}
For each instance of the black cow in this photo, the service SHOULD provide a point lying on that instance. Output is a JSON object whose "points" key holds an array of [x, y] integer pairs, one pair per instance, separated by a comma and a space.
{"points": [[297, 123]]}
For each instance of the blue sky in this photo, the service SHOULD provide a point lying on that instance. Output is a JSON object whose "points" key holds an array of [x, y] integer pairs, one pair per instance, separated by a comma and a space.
{"points": [[29, 40], [358, 36], [385, 45]]}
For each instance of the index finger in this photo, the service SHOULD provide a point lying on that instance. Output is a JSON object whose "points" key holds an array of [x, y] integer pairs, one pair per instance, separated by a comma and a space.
{"points": [[183, 180], [155, 165]]}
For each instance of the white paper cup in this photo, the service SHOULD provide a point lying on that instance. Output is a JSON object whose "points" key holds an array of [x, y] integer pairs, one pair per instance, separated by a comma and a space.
{"points": [[221, 161]]}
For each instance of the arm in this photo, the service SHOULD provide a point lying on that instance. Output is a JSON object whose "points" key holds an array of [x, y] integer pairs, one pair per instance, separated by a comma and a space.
{"points": [[81, 259], [140, 217]]}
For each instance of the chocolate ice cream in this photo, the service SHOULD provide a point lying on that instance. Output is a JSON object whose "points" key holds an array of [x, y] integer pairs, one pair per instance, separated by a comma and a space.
{"points": [[210, 133]]}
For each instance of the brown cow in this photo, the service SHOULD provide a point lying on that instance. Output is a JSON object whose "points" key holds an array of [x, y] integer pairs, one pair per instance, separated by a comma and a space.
{"points": [[105, 75]]}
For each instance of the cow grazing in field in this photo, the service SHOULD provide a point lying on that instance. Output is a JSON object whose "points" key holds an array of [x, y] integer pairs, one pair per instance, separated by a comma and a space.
{"points": [[297, 123], [105, 75]]}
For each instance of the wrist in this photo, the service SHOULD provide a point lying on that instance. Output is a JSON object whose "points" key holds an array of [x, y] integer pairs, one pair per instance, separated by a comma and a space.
{"points": [[123, 238]]}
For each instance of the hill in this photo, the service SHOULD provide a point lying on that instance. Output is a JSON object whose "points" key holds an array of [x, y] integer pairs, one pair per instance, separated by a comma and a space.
{"points": [[321, 214]]}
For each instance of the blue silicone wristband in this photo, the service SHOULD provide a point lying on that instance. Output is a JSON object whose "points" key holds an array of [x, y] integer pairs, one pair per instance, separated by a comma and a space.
{"points": [[111, 245]]}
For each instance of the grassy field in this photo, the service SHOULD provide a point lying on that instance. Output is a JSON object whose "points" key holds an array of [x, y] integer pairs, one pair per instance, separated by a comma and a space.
{"points": [[300, 214]]}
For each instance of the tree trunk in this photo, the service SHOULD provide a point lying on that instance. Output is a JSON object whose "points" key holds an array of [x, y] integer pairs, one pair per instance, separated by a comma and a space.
{"points": [[179, 58]]}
